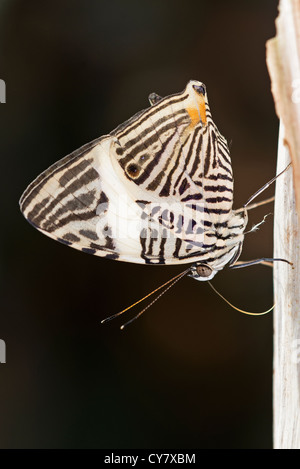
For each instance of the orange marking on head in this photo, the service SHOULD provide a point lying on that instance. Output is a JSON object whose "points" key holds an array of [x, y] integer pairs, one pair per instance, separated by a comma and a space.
{"points": [[198, 113]]}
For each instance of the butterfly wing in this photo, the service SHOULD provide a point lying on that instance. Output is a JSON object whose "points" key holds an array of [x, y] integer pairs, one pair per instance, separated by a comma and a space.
{"points": [[146, 193]]}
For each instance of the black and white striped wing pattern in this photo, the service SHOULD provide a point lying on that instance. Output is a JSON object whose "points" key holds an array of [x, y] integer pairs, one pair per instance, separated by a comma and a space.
{"points": [[157, 190]]}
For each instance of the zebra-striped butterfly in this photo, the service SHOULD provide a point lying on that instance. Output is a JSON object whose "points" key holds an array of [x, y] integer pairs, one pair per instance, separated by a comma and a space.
{"points": [[157, 190]]}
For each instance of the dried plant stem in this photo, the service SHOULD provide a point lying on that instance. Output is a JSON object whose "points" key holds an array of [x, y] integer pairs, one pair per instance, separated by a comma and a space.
{"points": [[283, 60], [286, 384]]}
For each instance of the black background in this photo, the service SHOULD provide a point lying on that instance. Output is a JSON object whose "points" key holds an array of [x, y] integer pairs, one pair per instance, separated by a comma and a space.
{"points": [[192, 372]]}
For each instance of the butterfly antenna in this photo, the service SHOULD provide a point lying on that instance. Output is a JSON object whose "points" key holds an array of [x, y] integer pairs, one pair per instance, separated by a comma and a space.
{"points": [[168, 285], [238, 309], [155, 299]]}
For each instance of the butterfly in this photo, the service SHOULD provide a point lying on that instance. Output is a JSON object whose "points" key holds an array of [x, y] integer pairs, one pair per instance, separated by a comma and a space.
{"points": [[157, 190]]}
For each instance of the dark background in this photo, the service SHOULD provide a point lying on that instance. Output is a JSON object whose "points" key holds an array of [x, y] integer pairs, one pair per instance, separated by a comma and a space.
{"points": [[192, 372]]}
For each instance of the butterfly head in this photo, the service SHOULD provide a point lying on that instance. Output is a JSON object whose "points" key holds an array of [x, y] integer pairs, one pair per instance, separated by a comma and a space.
{"points": [[201, 271]]}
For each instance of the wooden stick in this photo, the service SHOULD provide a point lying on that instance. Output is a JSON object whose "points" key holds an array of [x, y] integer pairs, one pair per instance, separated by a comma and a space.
{"points": [[283, 60], [286, 384]]}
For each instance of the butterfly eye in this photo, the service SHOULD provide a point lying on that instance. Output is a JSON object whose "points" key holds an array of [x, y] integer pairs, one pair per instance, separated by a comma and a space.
{"points": [[133, 170], [199, 89], [203, 270]]}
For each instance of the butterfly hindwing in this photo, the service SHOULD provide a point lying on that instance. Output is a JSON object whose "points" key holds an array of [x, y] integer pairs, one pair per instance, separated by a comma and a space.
{"points": [[152, 191]]}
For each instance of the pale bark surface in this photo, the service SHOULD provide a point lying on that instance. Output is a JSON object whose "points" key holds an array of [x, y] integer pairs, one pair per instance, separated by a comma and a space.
{"points": [[286, 384], [283, 60]]}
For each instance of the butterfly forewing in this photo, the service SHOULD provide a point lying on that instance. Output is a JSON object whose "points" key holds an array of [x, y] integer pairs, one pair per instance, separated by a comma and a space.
{"points": [[157, 190]]}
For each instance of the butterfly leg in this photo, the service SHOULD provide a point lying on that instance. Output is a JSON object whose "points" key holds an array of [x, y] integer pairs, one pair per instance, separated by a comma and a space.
{"points": [[263, 188], [154, 98], [258, 204], [249, 206], [264, 261]]}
